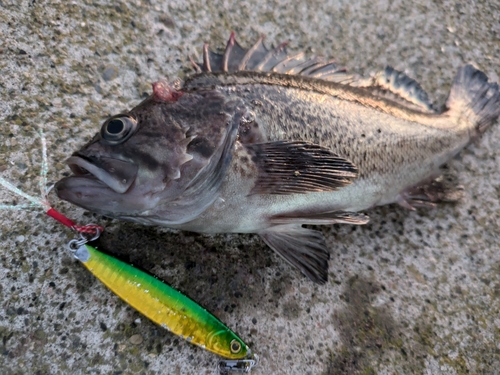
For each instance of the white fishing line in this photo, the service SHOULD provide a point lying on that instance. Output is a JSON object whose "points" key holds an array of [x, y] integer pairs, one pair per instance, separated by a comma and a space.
{"points": [[36, 202]]}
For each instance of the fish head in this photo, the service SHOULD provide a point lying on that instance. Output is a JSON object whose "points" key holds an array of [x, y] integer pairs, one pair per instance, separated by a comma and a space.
{"points": [[142, 164]]}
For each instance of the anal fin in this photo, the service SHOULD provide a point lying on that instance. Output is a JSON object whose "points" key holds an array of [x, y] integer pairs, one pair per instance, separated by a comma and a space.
{"points": [[302, 248], [429, 193]]}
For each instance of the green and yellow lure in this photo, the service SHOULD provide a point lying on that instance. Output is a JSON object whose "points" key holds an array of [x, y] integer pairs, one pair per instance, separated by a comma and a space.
{"points": [[162, 304]]}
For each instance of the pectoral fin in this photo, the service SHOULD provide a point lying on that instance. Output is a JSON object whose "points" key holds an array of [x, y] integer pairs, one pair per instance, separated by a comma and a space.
{"points": [[302, 248], [298, 167]]}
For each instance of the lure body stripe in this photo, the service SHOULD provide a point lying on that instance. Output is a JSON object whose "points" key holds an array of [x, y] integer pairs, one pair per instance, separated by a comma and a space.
{"points": [[163, 304]]}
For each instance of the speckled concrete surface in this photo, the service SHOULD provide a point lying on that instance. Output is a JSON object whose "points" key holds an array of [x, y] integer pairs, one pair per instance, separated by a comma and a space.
{"points": [[410, 293]]}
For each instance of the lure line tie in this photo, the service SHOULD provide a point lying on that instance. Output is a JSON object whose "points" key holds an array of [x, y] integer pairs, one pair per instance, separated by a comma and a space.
{"points": [[90, 230]]}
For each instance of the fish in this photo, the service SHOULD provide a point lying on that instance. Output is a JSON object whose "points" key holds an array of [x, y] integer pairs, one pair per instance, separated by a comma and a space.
{"points": [[262, 141]]}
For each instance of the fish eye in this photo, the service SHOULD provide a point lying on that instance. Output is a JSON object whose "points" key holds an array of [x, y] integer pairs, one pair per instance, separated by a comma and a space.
{"points": [[235, 347], [118, 129]]}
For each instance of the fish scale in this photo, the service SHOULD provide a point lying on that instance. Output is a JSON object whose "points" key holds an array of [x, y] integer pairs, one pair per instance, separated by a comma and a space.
{"points": [[260, 141]]}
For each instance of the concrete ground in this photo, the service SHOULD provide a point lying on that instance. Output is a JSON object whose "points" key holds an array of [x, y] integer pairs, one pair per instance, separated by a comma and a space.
{"points": [[409, 293]]}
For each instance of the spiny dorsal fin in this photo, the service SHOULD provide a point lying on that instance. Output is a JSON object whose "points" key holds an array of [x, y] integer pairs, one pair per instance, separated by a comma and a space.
{"points": [[389, 83], [259, 58]]}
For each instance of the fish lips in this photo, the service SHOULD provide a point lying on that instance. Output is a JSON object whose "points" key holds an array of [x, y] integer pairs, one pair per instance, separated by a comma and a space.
{"points": [[96, 176], [87, 192]]}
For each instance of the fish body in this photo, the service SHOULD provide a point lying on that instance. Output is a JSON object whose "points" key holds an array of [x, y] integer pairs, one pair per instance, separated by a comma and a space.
{"points": [[260, 141], [390, 154]]}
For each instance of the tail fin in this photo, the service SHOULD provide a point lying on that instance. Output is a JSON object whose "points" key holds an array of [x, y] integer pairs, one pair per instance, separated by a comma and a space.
{"points": [[475, 98]]}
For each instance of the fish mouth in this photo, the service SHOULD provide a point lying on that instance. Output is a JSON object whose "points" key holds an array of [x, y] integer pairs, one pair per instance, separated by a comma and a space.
{"points": [[118, 175]]}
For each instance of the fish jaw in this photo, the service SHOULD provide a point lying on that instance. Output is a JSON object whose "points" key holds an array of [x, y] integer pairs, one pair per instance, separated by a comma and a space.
{"points": [[87, 192], [92, 194], [117, 174], [108, 186]]}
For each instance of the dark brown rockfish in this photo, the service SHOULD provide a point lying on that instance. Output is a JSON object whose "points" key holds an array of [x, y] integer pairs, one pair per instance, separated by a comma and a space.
{"points": [[259, 141]]}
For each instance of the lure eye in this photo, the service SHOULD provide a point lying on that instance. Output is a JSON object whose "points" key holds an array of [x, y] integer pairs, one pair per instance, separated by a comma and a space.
{"points": [[118, 129], [235, 347]]}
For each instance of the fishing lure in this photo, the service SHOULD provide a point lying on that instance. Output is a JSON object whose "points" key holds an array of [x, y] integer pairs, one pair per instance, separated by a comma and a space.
{"points": [[156, 300], [161, 303]]}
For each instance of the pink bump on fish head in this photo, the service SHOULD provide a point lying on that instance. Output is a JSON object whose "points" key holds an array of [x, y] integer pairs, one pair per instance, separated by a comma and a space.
{"points": [[165, 92]]}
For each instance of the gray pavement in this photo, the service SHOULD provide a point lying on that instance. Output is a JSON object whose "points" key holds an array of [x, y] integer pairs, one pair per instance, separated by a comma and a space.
{"points": [[409, 293]]}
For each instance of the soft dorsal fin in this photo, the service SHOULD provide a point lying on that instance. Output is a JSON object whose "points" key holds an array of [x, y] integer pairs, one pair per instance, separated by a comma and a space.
{"points": [[397, 86], [389, 84]]}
